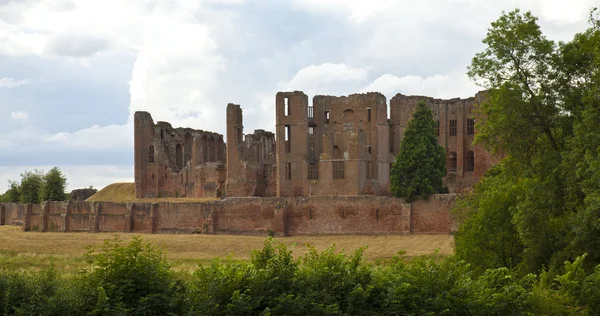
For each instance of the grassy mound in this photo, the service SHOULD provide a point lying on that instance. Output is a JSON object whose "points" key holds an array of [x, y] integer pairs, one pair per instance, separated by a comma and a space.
{"points": [[122, 192], [116, 192]]}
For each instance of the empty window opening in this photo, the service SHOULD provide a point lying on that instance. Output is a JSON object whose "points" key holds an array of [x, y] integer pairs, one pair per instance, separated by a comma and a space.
{"points": [[288, 145], [369, 149], [377, 214], [153, 176], [368, 115], [338, 170], [204, 149], [311, 113], [162, 133], [471, 126], [179, 155], [313, 171], [470, 161], [286, 102], [288, 170], [452, 161], [310, 213], [437, 128], [187, 147], [326, 117], [311, 130], [452, 127], [151, 154]]}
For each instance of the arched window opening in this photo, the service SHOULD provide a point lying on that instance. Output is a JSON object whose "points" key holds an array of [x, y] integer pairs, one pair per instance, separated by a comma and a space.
{"points": [[179, 156], [151, 154], [452, 161], [470, 161]]}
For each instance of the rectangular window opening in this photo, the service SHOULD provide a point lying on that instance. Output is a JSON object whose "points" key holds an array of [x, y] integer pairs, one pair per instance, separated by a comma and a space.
{"points": [[311, 130], [369, 149], [288, 170], [471, 126], [288, 132], [313, 171], [286, 101], [326, 117], [338, 170], [452, 127], [368, 115]]}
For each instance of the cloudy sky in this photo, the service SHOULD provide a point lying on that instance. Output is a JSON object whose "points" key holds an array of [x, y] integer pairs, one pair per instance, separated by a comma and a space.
{"points": [[73, 72]]}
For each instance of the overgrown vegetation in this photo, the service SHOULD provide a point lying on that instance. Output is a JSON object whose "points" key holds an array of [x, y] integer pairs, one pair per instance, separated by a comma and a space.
{"points": [[541, 206], [421, 162], [36, 187], [135, 279]]}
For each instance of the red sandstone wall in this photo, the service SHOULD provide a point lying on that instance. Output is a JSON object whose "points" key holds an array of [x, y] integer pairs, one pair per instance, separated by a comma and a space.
{"points": [[345, 215], [183, 217], [433, 215], [14, 214], [244, 216], [79, 218], [248, 216]]}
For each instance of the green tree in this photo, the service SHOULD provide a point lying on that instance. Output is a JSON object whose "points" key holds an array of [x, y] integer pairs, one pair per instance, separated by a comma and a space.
{"points": [[421, 163], [13, 194], [53, 186], [31, 183], [541, 110]]}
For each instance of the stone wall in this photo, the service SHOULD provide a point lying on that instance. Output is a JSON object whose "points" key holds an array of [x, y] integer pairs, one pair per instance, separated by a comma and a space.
{"points": [[242, 216]]}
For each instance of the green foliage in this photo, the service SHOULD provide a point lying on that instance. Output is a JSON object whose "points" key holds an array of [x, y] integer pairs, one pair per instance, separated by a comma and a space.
{"points": [[132, 279], [487, 237], [135, 279], [31, 183], [421, 162], [542, 112], [53, 186], [13, 194]]}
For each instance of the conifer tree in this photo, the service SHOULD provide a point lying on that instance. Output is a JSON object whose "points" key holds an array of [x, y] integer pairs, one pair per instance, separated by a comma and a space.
{"points": [[53, 186], [421, 163]]}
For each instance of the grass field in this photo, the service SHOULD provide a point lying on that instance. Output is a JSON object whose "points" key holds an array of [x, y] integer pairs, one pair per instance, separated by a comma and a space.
{"points": [[124, 192], [65, 250]]}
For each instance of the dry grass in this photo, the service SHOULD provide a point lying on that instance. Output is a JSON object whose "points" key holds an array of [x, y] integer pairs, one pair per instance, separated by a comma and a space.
{"points": [[124, 192], [65, 250]]}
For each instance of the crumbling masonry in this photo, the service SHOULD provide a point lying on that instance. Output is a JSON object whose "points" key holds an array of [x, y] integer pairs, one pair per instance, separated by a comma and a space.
{"points": [[338, 146]]}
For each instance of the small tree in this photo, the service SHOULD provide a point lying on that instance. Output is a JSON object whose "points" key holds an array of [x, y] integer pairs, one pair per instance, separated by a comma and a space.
{"points": [[13, 194], [53, 186], [31, 182], [421, 163]]}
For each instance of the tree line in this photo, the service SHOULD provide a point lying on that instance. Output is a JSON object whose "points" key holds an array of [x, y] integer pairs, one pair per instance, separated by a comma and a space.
{"points": [[136, 279], [37, 186]]}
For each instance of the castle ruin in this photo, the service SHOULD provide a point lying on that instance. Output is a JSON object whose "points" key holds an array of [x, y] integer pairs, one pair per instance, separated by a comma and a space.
{"points": [[338, 146]]}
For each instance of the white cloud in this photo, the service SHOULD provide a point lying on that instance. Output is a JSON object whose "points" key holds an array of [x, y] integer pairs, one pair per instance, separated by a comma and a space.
{"points": [[12, 83], [75, 44], [20, 115], [455, 84]]}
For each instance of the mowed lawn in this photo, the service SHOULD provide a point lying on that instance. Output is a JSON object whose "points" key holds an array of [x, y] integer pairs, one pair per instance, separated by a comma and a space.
{"points": [[65, 251]]}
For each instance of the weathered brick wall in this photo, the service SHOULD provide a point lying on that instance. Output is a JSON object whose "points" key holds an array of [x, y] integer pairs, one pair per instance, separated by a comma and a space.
{"points": [[345, 215], [433, 215], [243, 216], [14, 214]]}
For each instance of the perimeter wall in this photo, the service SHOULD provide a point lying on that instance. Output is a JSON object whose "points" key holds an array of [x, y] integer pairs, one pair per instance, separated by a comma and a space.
{"points": [[330, 215]]}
